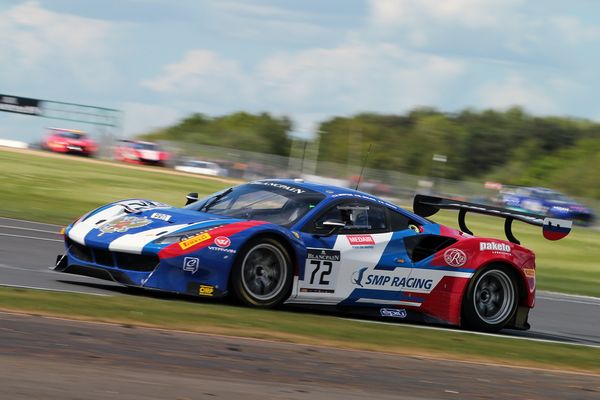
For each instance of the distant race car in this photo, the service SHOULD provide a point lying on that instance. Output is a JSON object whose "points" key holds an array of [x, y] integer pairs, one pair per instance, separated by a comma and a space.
{"points": [[72, 141], [270, 242], [139, 152], [201, 167], [547, 202]]}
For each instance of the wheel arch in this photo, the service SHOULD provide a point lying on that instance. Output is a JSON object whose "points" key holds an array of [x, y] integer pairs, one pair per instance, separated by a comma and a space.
{"points": [[275, 235], [515, 273]]}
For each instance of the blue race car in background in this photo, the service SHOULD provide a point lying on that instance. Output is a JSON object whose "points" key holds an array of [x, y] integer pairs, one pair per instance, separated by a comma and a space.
{"points": [[546, 201]]}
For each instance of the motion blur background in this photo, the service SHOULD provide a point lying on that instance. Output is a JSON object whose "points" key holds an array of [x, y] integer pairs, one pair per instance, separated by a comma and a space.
{"points": [[450, 95]]}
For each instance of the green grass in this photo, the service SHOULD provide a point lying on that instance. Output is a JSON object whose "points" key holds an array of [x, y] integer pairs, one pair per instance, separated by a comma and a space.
{"points": [[58, 190], [208, 317]]}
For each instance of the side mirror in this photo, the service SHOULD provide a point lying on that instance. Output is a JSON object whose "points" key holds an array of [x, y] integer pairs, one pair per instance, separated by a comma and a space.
{"points": [[191, 198], [334, 225]]}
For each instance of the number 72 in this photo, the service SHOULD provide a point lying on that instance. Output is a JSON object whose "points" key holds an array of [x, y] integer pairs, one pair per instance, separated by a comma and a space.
{"points": [[326, 271]]}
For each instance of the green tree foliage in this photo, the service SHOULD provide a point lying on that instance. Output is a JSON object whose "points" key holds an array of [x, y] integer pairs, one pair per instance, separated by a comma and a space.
{"points": [[510, 145], [261, 133]]}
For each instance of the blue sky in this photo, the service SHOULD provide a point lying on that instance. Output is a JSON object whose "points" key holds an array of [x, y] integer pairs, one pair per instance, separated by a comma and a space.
{"points": [[159, 61]]}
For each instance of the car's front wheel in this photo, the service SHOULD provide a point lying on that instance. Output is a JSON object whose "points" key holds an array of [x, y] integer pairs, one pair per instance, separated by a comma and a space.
{"points": [[262, 275], [491, 299]]}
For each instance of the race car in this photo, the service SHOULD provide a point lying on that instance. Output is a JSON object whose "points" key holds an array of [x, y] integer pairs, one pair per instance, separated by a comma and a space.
{"points": [[270, 242], [546, 201], [72, 141], [140, 152]]}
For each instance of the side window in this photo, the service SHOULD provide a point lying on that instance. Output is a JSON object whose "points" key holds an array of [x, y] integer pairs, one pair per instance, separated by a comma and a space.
{"points": [[359, 218], [400, 222]]}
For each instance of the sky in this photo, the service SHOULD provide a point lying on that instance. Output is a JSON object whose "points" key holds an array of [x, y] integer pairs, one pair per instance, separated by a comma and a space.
{"points": [[159, 61]]}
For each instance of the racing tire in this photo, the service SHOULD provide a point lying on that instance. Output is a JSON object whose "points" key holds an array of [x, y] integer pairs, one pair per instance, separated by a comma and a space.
{"points": [[491, 300], [262, 275]]}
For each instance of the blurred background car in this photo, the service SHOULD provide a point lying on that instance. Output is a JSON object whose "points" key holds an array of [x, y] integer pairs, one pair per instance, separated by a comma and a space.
{"points": [[201, 167], [546, 201], [140, 152], [71, 141]]}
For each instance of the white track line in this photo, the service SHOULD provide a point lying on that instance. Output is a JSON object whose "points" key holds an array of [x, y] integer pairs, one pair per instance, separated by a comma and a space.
{"points": [[12, 267], [544, 294], [434, 328], [29, 229], [29, 222], [30, 237], [52, 290]]}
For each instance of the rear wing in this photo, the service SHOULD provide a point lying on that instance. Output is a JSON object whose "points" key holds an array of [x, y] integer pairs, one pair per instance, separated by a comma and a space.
{"points": [[553, 229]]}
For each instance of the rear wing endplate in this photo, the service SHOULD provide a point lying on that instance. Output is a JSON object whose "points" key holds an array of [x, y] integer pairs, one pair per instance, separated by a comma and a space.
{"points": [[553, 229]]}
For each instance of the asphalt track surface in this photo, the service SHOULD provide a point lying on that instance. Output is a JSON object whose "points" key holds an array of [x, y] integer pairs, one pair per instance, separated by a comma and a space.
{"points": [[50, 358], [27, 249]]}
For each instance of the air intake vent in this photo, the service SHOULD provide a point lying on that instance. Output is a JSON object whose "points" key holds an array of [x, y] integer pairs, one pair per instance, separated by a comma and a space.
{"points": [[422, 246]]}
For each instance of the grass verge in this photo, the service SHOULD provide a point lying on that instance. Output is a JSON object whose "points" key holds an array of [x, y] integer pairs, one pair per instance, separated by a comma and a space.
{"points": [[296, 327]]}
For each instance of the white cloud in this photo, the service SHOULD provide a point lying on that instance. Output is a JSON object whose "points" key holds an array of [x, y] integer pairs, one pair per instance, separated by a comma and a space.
{"points": [[202, 73], [141, 118], [470, 13], [37, 40], [516, 90], [357, 76]]}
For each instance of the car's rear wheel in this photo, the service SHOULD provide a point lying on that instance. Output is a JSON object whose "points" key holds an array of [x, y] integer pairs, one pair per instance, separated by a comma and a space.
{"points": [[491, 299], [262, 274]]}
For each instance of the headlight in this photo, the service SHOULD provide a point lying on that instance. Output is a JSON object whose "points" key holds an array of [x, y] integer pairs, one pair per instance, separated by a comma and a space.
{"points": [[181, 236]]}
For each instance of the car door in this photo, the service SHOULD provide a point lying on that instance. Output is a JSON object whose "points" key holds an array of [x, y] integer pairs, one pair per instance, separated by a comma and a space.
{"points": [[350, 247]]}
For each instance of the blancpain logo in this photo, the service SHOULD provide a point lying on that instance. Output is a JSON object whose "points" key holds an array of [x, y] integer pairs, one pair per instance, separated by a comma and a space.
{"points": [[494, 246]]}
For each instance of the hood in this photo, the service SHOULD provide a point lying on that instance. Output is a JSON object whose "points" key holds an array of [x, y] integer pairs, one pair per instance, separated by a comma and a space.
{"points": [[130, 225]]}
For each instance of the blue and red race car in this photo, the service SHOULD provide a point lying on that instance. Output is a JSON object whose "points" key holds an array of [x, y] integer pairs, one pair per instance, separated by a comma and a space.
{"points": [[271, 242]]}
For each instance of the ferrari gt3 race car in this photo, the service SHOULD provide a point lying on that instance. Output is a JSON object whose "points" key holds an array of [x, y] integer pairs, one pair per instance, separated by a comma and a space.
{"points": [[280, 241]]}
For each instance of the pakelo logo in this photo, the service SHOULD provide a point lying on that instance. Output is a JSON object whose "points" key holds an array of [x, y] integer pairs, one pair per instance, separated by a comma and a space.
{"points": [[222, 241], [194, 240], [493, 246], [393, 312], [123, 224], [455, 257], [191, 264], [361, 240], [206, 290]]}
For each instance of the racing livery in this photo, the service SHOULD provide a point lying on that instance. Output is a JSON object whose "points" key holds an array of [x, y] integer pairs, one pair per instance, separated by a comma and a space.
{"points": [[139, 152], [280, 241]]}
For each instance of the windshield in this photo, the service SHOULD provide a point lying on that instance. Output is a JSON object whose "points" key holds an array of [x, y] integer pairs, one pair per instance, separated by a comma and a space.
{"points": [[72, 135], [265, 201], [145, 146]]}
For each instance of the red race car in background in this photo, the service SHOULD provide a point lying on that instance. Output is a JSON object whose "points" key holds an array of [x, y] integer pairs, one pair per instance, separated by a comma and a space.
{"points": [[139, 152], [71, 141]]}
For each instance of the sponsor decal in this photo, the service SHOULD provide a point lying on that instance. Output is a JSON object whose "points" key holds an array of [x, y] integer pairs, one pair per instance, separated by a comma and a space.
{"points": [[139, 205], [206, 290], [194, 240], [163, 217], [361, 240], [323, 255], [395, 282], [191, 264], [222, 249], [280, 186], [455, 257], [123, 224], [311, 290], [494, 246], [222, 241], [357, 276], [393, 312], [529, 272]]}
